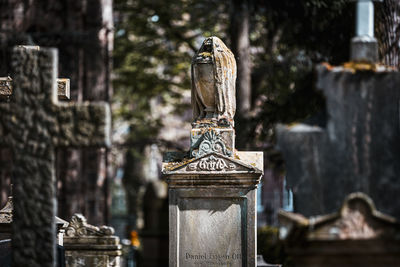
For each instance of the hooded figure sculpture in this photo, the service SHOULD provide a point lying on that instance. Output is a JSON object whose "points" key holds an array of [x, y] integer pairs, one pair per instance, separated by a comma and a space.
{"points": [[213, 83]]}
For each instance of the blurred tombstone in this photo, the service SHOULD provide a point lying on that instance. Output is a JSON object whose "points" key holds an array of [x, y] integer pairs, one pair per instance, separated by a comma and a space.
{"points": [[261, 262], [358, 150], [154, 235], [6, 219], [91, 246], [357, 235]]}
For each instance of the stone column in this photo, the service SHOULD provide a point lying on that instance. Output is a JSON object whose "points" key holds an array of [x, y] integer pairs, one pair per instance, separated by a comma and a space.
{"points": [[213, 187]]}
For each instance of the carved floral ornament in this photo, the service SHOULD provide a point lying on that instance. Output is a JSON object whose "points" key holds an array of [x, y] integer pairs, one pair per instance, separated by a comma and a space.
{"points": [[78, 227], [211, 142]]}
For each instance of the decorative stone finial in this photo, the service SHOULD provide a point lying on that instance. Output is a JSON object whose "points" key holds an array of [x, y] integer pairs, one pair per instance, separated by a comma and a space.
{"points": [[78, 227], [213, 83], [364, 46]]}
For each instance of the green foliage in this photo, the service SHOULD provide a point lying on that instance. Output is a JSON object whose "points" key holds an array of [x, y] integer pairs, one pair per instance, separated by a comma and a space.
{"points": [[290, 38], [154, 44], [155, 41]]}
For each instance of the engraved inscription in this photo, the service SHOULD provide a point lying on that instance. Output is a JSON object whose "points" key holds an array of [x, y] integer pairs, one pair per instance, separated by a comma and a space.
{"points": [[211, 163], [213, 232], [213, 259]]}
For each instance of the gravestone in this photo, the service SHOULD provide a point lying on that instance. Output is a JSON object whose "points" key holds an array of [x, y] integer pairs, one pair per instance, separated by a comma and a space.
{"points": [[212, 188], [357, 235], [358, 149], [91, 246], [33, 124], [6, 219]]}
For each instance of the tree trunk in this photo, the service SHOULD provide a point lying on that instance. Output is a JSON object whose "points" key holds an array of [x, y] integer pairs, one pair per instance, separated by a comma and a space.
{"points": [[388, 31], [240, 44]]}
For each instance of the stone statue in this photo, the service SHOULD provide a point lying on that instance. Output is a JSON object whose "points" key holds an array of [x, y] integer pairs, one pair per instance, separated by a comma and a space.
{"points": [[213, 83]]}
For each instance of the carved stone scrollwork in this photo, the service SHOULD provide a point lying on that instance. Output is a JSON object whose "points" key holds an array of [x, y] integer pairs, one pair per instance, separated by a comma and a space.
{"points": [[212, 142], [6, 215], [5, 86], [211, 163], [78, 227]]}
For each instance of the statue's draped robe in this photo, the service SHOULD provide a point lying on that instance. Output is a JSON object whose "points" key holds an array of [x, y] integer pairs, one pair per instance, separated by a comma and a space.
{"points": [[224, 66]]}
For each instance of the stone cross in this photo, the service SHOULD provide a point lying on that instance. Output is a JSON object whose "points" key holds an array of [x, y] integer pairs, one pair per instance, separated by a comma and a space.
{"points": [[33, 124], [63, 88]]}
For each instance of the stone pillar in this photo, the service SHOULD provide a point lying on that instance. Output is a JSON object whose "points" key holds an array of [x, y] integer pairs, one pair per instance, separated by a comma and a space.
{"points": [[91, 246], [213, 188]]}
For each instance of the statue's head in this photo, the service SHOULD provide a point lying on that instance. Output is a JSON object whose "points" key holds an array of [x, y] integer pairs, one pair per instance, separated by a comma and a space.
{"points": [[213, 82]]}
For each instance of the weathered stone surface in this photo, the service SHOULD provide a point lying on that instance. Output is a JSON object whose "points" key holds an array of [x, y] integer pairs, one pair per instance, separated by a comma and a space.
{"points": [[212, 210], [211, 226], [206, 140], [33, 124], [356, 151], [83, 33], [364, 49], [357, 235], [6, 219], [212, 229], [213, 82], [63, 88], [91, 246], [213, 188], [5, 87], [214, 169]]}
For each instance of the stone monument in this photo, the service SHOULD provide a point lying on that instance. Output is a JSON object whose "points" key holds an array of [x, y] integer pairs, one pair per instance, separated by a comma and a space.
{"points": [[6, 219], [357, 235], [91, 246], [357, 150], [33, 124], [212, 188]]}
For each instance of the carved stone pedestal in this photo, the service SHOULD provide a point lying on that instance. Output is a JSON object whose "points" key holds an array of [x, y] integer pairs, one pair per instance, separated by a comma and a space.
{"points": [[212, 210]]}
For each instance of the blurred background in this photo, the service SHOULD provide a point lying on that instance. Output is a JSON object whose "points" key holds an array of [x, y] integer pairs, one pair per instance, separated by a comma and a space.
{"points": [[136, 55]]}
